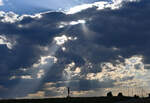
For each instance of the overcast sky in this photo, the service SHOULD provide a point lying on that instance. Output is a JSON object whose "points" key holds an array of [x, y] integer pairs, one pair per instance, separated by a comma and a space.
{"points": [[91, 48]]}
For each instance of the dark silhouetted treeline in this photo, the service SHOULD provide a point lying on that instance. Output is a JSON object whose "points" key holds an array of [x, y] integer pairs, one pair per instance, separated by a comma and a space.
{"points": [[82, 100]]}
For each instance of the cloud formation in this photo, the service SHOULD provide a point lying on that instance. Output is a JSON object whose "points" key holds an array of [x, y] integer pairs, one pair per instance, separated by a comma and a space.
{"points": [[8, 42], [113, 4], [89, 51]]}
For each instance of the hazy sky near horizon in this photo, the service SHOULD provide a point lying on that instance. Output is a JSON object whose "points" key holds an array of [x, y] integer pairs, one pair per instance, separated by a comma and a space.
{"points": [[92, 48]]}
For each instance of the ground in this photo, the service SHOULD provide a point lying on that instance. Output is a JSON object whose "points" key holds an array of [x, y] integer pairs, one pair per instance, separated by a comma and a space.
{"points": [[82, 100]]}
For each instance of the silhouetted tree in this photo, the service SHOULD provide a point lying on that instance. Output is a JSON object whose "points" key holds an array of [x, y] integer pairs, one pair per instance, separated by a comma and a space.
{"points": [[149, 95], [120, 94], [135, 96], [109, 94]]}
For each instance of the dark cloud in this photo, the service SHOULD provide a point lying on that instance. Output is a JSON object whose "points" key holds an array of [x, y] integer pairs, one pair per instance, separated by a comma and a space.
{"points": [[106, 35]]}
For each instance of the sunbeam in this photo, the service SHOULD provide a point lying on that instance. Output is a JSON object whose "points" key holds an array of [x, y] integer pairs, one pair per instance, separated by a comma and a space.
{"points": [[91, 46]]}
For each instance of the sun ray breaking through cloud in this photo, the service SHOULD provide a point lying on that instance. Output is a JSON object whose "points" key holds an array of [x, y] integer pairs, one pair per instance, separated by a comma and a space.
{"points": [[81, 49]]}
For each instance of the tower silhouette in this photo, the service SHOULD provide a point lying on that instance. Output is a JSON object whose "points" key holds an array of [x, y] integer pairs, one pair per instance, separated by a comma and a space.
{"points": [[68, 91]]}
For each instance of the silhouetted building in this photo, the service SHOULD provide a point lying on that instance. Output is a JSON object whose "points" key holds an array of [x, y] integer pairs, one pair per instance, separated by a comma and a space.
{"points": [[135, 96], [120, 94], [109, 94]]}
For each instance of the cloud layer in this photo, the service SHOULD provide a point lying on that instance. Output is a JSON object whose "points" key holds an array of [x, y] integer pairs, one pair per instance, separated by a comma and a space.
{"points": [[91, 51]]}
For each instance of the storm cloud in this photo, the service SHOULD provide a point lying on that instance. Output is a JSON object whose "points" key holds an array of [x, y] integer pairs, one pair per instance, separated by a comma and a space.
{"points": [[87, 50]]}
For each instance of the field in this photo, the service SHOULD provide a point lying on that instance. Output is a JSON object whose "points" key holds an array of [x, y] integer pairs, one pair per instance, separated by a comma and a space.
{"points": [[81, 100]]}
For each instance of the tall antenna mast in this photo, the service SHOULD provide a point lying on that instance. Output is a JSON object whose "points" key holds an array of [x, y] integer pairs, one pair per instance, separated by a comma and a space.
{"points": [[68, 91]]}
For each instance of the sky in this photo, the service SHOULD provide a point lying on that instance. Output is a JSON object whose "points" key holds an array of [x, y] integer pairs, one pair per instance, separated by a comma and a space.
{"points": [[36, 6], [93, 48]]}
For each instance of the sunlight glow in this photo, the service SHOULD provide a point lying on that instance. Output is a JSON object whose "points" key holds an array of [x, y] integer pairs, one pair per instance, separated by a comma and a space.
{"points": [[122, 71], [60, 40], [6, 41], [1, 3], [70, 72], [114, 4], [77, 22], [79, 8], [71, 23]]}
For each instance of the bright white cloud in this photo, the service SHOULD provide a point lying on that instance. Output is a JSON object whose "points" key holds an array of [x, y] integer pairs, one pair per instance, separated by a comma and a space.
{"points": [[11, 17], [60, 40], [63, 24], [79, 8], [6, 41], [26, 77], [63, 49], [77, 22], [114, 4]]}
